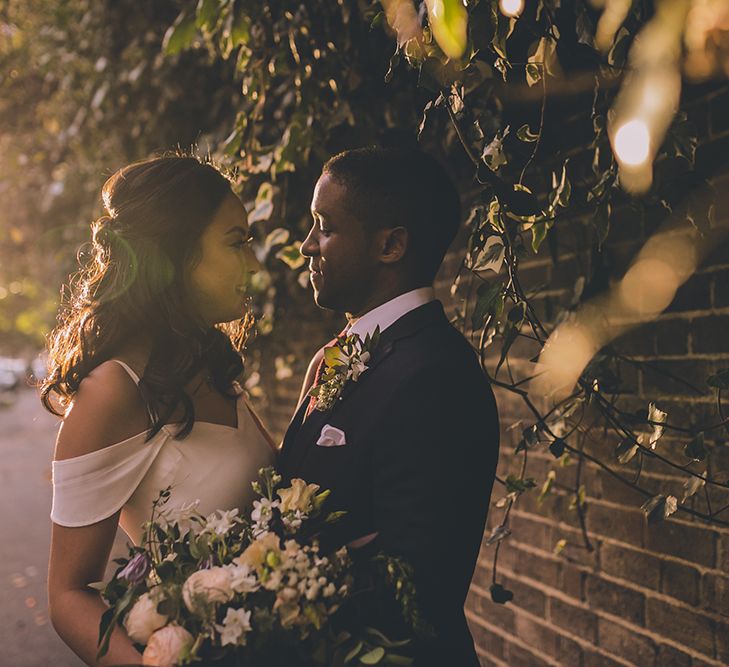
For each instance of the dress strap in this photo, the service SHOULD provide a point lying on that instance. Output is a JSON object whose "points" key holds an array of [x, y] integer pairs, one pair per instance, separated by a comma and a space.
{"points": [[131, 373]]}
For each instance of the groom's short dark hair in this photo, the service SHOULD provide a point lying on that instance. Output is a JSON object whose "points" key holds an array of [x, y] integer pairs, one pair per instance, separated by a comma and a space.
{"points": [[404, 187]]}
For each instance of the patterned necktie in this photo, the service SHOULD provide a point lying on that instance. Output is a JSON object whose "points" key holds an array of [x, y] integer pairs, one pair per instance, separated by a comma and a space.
{"points": [[320, 369]]}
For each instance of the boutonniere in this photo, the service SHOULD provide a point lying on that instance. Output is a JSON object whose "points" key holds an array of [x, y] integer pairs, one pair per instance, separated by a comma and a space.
{"points": [[344, 361]]}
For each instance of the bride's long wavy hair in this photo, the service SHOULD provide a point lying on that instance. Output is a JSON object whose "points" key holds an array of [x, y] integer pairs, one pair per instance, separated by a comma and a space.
{"points": [[134, 279]]}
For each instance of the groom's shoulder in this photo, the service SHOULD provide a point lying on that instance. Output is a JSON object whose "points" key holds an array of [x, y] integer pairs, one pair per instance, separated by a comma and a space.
{"points": [[438, 347]]}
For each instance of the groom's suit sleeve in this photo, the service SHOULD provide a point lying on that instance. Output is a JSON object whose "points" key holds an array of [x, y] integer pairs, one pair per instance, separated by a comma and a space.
{"points": [[434, 461]]}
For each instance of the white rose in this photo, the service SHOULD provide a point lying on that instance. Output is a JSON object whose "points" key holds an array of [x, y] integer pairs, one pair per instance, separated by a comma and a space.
{"points": [[207, 586], [143, 619], [166, 646]]}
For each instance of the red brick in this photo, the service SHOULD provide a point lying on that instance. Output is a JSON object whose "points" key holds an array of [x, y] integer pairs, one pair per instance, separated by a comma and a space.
{"points": [[628, 645], [625, 525], [709, 334], [694, 544], [721, 288], [615, 599], [675, 377], [715, 593], [576, 620], [722, 641], [636, 566], [692, 630], [672, 657], [539, 636], [549, 568], [489, 642], [594, 659], [680, 582], [526, 597], [516, 656]]}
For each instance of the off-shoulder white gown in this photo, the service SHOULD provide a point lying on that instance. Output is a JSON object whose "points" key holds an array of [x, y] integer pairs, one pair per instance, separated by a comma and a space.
{"points": [[214, 464]]}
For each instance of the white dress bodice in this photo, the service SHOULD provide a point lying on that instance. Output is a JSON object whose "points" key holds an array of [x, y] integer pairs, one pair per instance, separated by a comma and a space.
{"points": [[214, 464]]}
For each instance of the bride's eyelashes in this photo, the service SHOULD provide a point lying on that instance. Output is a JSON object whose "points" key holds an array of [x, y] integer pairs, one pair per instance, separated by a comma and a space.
{"points": [[242, 243]]}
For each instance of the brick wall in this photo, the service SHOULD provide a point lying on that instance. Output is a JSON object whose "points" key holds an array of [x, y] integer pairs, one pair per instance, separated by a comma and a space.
{"points": [[644, 595]]}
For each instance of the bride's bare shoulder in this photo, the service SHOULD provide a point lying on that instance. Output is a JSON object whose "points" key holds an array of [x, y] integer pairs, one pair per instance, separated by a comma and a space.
{"points": [[107, 409]]}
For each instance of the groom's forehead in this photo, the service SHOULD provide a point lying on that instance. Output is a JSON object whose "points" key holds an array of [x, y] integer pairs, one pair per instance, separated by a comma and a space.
{"points": [[331, 195]]}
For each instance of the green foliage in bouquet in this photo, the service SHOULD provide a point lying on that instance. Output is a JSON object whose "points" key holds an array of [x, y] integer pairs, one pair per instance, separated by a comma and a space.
{"points": [[252, 590]]}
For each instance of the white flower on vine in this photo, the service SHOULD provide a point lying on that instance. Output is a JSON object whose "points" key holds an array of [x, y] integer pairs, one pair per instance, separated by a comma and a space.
{"points": [[236, 625]]}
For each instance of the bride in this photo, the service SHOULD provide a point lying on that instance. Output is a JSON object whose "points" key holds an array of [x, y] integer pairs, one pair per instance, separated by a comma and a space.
{"points": [[143, 369]]}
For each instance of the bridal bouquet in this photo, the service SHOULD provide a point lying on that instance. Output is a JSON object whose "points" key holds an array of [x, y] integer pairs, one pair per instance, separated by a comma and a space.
{"points": [[249, 590]]}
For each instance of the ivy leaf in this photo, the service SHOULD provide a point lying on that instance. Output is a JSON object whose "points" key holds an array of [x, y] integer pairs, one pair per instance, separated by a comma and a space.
{"points": [[692, 485], [278, 236], [547, 486], [539, 233], [516, 485], [526, 135], [488, 294], [601, 220], [626, 450], [720, 379], [657, 417], [491, 257], [207, 14], [291, 256], [559, 547], [659, 507], [510, 335], [696, 450], [498, 534], [493, 154], [449, 21], [373, 657], [557, 447], [179, 35], [501, 595]]}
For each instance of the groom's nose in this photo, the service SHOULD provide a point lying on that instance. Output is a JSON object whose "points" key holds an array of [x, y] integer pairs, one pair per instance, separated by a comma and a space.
{"points": [[310, 246]]}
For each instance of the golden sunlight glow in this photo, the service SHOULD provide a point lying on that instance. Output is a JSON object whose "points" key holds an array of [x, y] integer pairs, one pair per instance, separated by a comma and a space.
{"points": [[632, 143], [664, 263], [511, 7]]}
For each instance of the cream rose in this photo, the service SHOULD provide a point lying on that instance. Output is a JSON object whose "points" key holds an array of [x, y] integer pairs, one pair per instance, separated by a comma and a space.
{"points": [[298, 496], [207, 586], [166, 646], [143, 619]]}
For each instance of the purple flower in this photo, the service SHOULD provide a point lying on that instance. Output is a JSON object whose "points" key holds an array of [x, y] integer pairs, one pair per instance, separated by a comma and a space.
{"points": [[136, 569]]}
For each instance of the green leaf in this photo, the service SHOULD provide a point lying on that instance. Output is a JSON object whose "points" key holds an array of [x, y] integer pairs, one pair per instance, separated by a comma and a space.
{"points": [[179, 35], [517, 485], [207, 14], [692, 485], [525, 134], [449, 22], [696, 449], [547, 486], [720, 379], [488, 294], [539, 233], [354, 652], [510, 335], [659, 508], [278, 236], [291, 256], [373, 657], [626, 450]]}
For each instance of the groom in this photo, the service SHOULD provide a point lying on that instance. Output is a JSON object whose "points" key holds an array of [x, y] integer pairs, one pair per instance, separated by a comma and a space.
{"points": [[410, 448]]}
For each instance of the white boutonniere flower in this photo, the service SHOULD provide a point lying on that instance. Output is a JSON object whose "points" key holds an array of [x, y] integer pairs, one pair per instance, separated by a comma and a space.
{"points": [[344, 361]]}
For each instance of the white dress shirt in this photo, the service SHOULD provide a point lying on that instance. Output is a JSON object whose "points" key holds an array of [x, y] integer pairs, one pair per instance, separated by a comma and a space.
{"points": [[391, 311]]}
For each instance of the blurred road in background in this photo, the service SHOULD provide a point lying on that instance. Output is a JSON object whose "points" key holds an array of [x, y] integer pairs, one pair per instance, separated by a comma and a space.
{"points": [[27, 434]]}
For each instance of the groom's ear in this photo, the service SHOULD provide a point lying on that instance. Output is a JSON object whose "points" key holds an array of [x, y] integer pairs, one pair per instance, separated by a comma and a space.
{"points": [[393, 244]]}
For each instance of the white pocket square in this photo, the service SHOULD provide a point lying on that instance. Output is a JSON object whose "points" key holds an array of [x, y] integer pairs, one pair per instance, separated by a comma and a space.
{"points": [[331, 436]]}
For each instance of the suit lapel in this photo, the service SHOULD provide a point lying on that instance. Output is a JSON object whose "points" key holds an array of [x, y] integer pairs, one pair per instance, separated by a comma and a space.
{"points": [[302, 433]]}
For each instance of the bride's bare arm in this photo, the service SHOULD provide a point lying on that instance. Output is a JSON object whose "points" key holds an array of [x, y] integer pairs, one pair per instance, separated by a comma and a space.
{"points": [[106, 410]]}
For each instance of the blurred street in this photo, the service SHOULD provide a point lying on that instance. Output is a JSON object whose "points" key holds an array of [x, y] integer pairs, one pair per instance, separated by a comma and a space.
{"points": [[27, 433]]}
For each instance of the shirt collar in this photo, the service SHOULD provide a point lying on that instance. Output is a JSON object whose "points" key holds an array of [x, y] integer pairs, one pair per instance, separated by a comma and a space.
{"points": [[391, 311]]}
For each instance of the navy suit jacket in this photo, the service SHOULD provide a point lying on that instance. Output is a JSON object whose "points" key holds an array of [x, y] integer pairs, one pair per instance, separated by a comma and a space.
{"points": [[422, 441]]}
